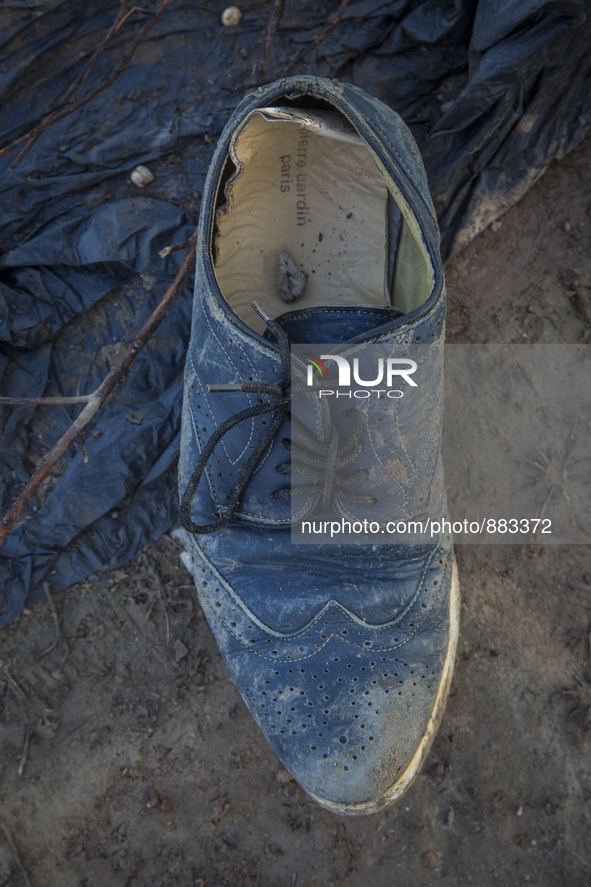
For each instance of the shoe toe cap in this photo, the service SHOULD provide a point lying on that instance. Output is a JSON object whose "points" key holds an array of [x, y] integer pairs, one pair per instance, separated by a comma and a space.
{"points": [[353, 727], [350, 708]]}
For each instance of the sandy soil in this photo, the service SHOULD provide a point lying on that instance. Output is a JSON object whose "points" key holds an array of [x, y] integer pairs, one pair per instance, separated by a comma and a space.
{"points": [[127, 757]]}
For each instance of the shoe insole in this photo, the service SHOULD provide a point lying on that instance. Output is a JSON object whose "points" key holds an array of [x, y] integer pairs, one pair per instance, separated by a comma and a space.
{"points": [[307, 195]]}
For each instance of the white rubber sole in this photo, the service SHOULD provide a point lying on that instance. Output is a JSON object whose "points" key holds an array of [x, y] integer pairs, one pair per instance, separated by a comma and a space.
{"points": [[405, 780]]}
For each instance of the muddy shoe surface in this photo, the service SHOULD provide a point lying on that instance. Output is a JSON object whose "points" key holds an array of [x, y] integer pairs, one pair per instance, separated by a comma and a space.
{"points": [[343, 650]]}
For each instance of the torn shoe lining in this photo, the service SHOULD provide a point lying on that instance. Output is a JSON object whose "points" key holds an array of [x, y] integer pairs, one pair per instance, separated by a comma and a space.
{"points": [[306, 183]]}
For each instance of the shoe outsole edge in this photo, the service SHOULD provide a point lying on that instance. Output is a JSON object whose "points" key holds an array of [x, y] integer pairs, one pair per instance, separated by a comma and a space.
{"points": [[412, 770]]}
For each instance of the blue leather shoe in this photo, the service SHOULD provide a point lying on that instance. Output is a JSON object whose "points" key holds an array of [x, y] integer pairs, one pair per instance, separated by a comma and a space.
{"points": [[316, 208]]}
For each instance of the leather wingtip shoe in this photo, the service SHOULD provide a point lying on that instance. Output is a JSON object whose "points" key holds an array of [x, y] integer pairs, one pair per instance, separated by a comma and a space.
{"points": [[316, 209]]}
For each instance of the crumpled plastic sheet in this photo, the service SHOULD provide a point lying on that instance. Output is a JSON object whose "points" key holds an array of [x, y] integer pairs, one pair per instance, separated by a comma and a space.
{"points": [[493, 91]]}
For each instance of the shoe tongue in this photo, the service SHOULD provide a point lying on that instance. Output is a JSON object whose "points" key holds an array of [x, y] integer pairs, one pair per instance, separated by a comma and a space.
{"points": [[333, 325]]}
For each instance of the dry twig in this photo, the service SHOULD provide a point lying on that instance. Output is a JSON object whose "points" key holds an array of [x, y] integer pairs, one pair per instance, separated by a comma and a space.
{"points": [[59, 638], [25, 754], [15, 853], [261, 66], [156, 577], [12, 683], [44, 401], [119, 21], [69, 104], [182, 244], [268, 39], [320, 39], [97, 398]]}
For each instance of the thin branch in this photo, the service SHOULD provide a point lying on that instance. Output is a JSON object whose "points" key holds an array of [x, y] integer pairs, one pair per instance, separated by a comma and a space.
{"points": [[81, 398], [41, 401], [301, 55], [15, 853], [59, 638], [121, 17], [12, 683], [320, 39], [61, 112], [259, 71], [182, 244], [158, 582], [79, 444], [25, 753], [73, 88], [98, 397]]}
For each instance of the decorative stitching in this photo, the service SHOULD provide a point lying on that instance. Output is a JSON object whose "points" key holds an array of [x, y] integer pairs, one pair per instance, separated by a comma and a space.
{"points": [[346, 612], [313, 312], [213, 418]]}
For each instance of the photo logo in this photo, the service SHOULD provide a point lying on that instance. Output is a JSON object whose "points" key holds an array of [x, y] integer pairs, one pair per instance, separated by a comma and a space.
{"points": [[387, 370], [315, 362]]}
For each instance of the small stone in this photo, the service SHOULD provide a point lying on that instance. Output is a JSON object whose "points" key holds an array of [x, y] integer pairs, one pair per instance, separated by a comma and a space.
{"points": [[231, 16], [186, 561], [148, 280], [291, 282], [141, 176], [567, 226], [166, 806], [136, 417], [112, 353], [180, 651], [284, 777], [519, 811], [429, 859], [496, 225]]}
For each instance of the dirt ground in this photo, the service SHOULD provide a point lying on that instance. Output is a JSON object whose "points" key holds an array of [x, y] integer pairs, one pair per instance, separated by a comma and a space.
{"points": [[127, 757]]}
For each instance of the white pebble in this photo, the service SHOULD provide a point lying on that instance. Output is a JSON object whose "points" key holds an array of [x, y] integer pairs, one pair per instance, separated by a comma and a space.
{"points": [[284, 777], [180, 651], [567, 226], [141, 176], [231, 16]]}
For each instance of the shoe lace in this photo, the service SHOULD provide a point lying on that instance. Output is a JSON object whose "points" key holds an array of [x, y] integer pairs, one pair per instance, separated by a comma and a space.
{"points": [[321, 462]]}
